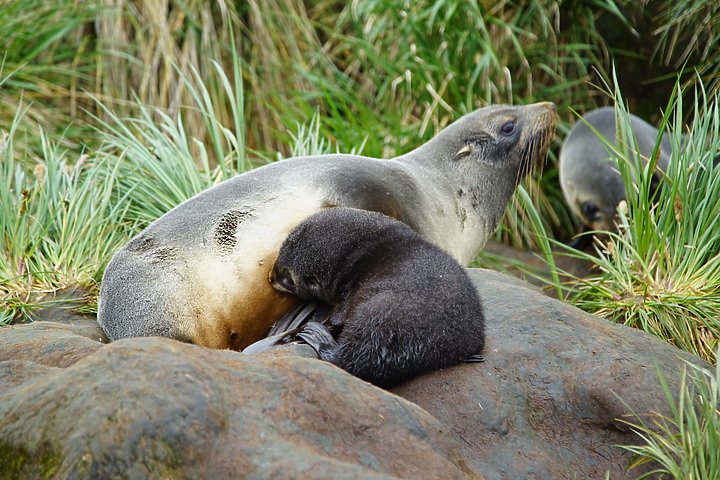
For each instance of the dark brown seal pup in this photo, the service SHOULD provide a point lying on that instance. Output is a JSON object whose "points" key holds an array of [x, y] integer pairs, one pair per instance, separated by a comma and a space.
{"points": [[399, 305], [199, 272]]}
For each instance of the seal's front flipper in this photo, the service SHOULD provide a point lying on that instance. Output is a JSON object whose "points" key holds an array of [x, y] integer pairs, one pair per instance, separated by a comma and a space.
{"points": [[319, 337], [274, 341], [286, 330], [299, 315], [295, 318], [474, 359]]}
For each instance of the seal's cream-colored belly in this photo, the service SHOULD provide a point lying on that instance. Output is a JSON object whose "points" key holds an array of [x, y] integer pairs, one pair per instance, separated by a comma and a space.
{"points": [[238, 303]]}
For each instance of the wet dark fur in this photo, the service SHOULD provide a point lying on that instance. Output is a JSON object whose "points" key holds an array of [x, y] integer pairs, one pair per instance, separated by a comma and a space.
{"points": [[400, 306]]}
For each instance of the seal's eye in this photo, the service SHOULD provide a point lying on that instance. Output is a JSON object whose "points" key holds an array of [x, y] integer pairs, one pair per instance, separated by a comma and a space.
{"points": [[590, 210], [508, 128]]}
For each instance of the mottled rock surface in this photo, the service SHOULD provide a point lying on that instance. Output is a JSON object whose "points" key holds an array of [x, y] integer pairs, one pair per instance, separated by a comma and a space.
{"points": [[545, 404], [156, 408], [51, 344]]}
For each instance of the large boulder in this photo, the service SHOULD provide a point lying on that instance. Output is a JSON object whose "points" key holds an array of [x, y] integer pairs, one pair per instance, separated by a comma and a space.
{"points": [[156, 408], [546, 403], [549, 398]]}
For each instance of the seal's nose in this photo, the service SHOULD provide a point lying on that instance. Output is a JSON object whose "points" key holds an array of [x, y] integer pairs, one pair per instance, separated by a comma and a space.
{"points": [[551, 106]]}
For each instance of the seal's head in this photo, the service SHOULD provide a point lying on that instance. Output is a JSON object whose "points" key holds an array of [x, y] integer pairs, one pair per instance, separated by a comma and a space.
{"points": [[503, 137], [308, 266], [484, 155], [593, 189], [589, 174]]}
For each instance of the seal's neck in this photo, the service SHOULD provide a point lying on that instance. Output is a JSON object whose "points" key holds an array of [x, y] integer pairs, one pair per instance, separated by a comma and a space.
{"points": [[432, 153], [465, 198]]}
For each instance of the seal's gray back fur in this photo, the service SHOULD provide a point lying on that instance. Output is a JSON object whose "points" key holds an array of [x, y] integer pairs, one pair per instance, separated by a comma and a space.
{"points": [[199, 273]]}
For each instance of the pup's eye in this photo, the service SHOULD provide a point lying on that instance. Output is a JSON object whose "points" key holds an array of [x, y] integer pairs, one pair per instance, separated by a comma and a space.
{"points": [[508, 128]]}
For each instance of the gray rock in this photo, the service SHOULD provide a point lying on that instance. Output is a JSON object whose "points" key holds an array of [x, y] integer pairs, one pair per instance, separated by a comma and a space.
{"points": [[157, 408], [49, 343], [61, 306], [545, 404]]}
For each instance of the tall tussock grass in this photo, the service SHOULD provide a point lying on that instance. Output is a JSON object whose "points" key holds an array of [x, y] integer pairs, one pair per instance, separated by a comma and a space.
{"points": [[415, 64], [47, 61], [660, 271], [390, 71], [688, 35], [59, 223]]}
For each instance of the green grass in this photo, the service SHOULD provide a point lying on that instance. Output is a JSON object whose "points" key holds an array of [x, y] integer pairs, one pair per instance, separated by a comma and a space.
{"points": [[660, 271], [44, 46], [685, 444], [59, 223], [689, 35], [162, 161]]}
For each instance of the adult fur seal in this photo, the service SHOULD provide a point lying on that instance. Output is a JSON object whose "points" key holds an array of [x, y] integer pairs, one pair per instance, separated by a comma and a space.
{"points": [[399, 305], [589, 178], [199, 273]]}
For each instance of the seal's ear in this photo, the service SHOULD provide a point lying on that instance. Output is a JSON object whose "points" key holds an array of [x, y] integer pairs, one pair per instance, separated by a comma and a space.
{"points": [[463, 152]]}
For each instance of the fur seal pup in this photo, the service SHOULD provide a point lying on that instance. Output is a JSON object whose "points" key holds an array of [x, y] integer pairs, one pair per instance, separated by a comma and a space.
{"points": [[399, 305], [199, 273], [590, 180]]}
